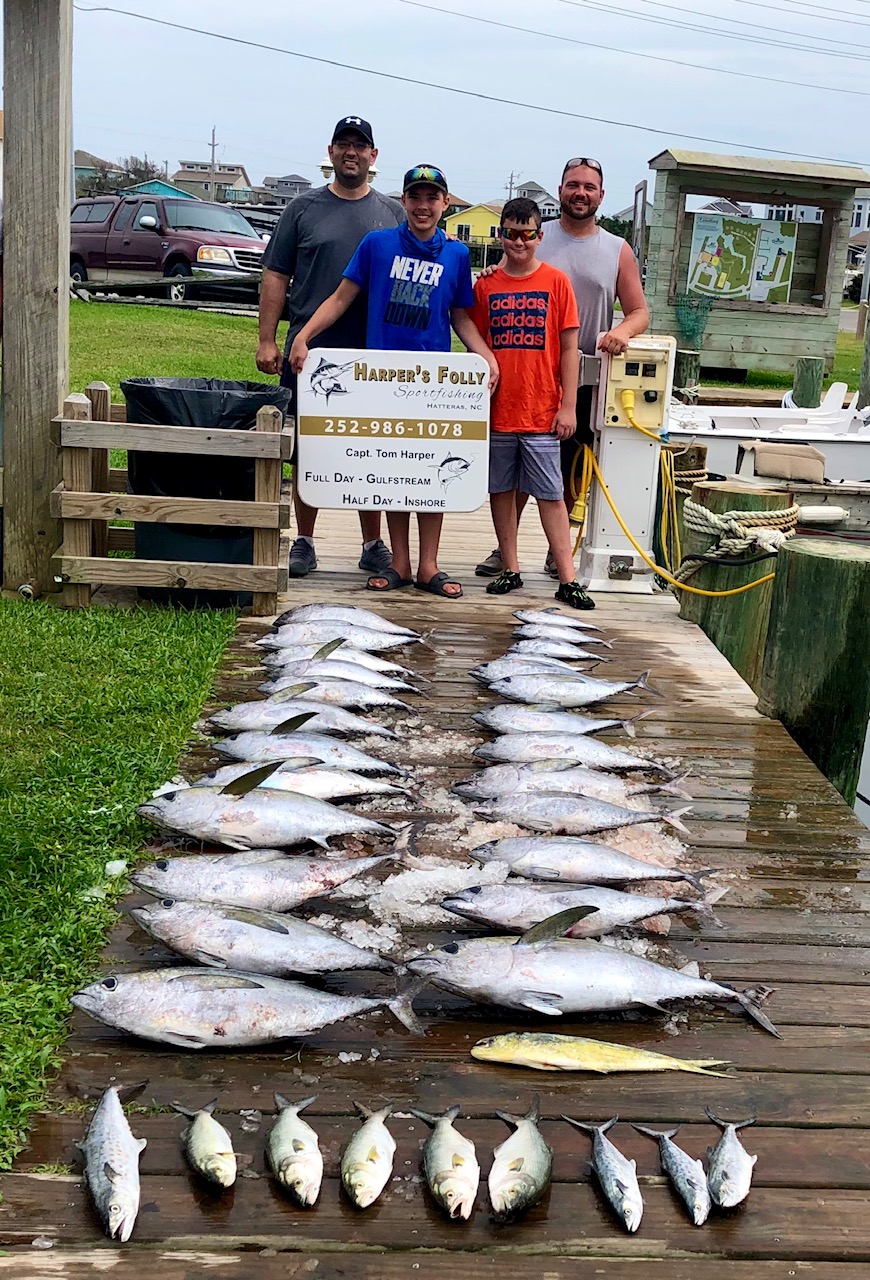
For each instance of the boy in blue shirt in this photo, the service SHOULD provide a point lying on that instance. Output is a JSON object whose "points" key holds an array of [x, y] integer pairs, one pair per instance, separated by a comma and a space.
{"points": [[418, 284]]}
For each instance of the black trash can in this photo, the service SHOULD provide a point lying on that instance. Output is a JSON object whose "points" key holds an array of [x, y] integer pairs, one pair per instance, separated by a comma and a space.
{"points": [[195, 402]]}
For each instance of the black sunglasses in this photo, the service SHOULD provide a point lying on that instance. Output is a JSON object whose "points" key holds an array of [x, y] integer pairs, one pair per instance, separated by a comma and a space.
{"points": [[586, 160]]}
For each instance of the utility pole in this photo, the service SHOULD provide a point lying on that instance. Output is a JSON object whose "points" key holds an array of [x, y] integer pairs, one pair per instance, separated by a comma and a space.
{"points": [[512, 182], [212, 192]]}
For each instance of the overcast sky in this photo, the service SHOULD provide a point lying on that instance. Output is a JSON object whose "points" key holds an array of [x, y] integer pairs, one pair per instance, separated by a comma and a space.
{"points": [[140, 87]]}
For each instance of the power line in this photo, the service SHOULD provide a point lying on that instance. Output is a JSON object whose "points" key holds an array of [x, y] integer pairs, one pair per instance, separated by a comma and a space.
{"points": [[826, 14], [715, 31], [757, 26], [633, 53], [524, 105]]}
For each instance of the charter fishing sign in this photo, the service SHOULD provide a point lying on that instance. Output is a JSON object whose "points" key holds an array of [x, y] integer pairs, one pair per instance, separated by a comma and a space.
{"points": [[393, 430]]}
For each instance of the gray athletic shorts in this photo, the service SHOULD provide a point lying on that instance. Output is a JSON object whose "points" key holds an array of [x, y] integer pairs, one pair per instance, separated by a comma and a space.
{"points": [[526, 462]]}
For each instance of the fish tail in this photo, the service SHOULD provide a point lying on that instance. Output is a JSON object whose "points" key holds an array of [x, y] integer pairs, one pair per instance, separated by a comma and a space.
{"points": [[701, 1067], [628, 725], [406, 848], [449, 1115], [674, 787], [367, 1112], [642, 682], [724, 1124], [675, 819], [533, 1113], [402, 1005], [695, 878], [592, 1128], [656, 1133], [284, 1104], [190, 1112], [426, 641], [750, 1001]]}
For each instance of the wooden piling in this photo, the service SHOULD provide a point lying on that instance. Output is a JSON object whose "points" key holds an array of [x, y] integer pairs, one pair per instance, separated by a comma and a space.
{"points": [[737, 625], [815, 676], [808, 375], [687, 375]]}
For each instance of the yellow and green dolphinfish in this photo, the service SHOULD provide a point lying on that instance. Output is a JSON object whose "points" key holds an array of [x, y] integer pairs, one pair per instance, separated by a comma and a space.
{"points": [[547, 1052]]}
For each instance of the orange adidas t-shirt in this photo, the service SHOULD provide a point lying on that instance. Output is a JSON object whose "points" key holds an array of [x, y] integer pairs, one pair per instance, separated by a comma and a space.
{"points": [[521, 320]]}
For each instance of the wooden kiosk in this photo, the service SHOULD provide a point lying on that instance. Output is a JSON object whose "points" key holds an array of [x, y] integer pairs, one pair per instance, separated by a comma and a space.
{"points": [[745, 333]]}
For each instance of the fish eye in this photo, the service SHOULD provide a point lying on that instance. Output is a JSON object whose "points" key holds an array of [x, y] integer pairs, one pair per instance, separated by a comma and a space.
{"points": [[109, 983], [161, 864], [452, 948], [476, 888], [167, 902]]}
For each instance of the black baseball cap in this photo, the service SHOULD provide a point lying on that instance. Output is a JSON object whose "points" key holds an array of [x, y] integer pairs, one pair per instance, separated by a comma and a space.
{"points": [[426, 174], [354, 124]]}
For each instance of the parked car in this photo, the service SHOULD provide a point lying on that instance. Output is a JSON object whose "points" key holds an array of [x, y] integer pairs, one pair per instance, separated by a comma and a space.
{"points": [[148, 237]]}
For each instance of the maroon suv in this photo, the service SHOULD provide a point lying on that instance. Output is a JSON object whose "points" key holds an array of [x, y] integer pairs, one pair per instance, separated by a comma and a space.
{"points": [[146, 237]]}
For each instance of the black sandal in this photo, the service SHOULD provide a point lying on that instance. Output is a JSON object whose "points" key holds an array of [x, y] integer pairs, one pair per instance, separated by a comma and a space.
{"points": [[506, 581], [572, 594]]}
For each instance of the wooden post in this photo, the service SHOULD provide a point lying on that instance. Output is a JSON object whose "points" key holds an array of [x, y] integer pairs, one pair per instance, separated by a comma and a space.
{"points": [[687, 375], [737, 625], [77, 478], [808, 374], [815, 677], [37, 48], [861, 321], [267, 488], [864, 377], [100, 396]]}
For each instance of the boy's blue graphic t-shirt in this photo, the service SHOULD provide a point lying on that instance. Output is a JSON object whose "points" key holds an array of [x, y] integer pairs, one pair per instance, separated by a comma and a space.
{"points": [[411, 287]]}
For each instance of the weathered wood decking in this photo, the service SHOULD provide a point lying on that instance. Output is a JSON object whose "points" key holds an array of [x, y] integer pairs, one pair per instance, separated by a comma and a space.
{"points": [[796, 917]]}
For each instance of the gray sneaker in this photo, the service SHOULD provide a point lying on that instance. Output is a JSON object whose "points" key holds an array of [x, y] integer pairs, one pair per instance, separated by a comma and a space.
{"points": [[377, 558], [491, 567], [302, 558]]}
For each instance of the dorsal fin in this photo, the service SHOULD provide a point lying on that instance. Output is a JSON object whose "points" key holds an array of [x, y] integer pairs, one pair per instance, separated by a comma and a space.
{"points": [[325, 650], [250, 781], [554, 926], [295, 722], [294, 691]]}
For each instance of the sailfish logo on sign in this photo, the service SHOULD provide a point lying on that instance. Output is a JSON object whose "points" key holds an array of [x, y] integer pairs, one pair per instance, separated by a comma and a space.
{"points": [[324, 381]]}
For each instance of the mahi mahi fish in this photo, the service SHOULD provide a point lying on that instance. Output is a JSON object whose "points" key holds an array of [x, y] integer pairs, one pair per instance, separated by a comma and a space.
{"points": [[293, 1151], [111, 1156], [257, 820], [729, 1176], [545, 1051], [686, 1175], [261, 879], [450, 1164], [518, 905], [579, 691], [250, 941], [522, 1164], [616, 1175], [551, 975], [367, 1160], [199, 1008], [575, 861], [571, 815]]}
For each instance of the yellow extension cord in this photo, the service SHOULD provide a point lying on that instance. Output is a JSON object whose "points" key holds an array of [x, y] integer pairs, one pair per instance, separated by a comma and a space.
{"points": [[669, 528]]}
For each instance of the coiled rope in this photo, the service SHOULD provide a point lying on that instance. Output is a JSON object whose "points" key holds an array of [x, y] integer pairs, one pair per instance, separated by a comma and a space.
{"points": [[736, 533]]}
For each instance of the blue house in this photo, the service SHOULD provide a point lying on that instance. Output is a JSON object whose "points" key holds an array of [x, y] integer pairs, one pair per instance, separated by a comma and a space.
{"points": [[157, 187]]}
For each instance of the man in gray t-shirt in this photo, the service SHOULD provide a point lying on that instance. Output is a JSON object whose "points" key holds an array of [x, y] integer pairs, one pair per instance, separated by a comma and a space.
{"points": [[316, 237]]}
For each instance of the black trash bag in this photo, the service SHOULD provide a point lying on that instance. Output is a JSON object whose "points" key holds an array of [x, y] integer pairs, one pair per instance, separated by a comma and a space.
{"points": [[195, 402]]}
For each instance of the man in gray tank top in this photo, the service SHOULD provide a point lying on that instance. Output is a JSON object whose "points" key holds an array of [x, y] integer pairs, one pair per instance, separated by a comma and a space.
{"points": [[602, 268]]}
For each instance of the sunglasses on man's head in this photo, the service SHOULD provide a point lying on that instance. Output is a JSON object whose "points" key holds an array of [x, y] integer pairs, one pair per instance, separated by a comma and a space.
{"points": [[520, 233], [584, 160]]}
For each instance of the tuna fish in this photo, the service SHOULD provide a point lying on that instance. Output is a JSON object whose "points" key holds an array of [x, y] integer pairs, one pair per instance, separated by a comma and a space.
{"points": [[257, 820], [519, 906], [250, 941], [553, 650], [293, 1152], [450, 1164], [269, 714], [573, 861], [262, 879], [554, 976], [570, 815], [581, 691], [200, 1008], [277, 659], [321, 632], [208, 1146], [111, 1156], [616, 1174], [505, 668], [522, 1166], [729, 1176], [367, 1160], [570, 748], [687, 1175], [310, 779], [553, 617], [294, 672], [349, 613], [549, 634], [517, 718], [255, 747], [555, 775]]}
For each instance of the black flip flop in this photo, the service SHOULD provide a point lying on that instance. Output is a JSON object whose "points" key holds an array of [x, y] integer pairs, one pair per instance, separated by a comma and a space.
{"points": [[435, 586], [393, 580]]}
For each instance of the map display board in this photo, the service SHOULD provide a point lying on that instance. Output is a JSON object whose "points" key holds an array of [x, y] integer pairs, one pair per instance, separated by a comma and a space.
{"points": [[741, 258], [393, 430]]}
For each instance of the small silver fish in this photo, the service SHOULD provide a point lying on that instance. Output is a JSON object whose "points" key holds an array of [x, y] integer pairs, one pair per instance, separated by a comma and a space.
{"points": [[553, 617], [111, 1156], [573, 815], [293, 1151], [569, 859], [616, 1174], [208, 1146], [256, 748], [522, 1165], [450, 1164], [347, 612], [729, 1176], [687, 1175], [516, 717], [367, 1160]]}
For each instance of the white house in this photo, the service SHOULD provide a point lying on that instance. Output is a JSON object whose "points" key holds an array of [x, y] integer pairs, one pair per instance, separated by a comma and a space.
{"points": [[548, 205]]}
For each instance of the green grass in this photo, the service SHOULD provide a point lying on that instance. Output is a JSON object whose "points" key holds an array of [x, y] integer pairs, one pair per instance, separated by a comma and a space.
{"points": [[109, 342], [96, 707]]}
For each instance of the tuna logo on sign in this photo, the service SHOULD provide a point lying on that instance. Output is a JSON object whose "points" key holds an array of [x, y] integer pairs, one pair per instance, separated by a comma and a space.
{"points": [[324, 380], [450, 469]]}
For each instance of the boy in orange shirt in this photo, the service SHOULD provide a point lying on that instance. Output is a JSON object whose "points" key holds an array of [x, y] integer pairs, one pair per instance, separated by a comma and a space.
{"points": [[527, 315]]}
